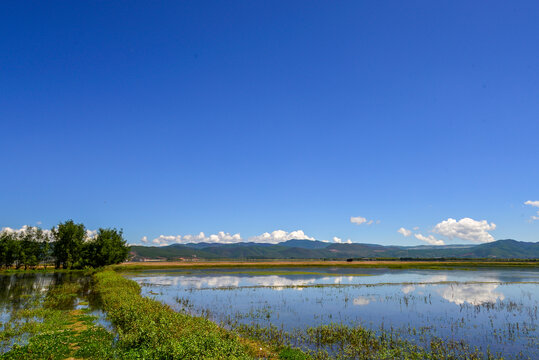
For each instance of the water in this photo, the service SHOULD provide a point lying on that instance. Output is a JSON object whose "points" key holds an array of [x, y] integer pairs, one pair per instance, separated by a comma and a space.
{"points": [[19, 291], [494, 309]]}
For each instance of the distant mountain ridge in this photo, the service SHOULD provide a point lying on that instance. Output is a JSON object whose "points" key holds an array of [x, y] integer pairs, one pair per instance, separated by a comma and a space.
{"points": [[314, 249]]}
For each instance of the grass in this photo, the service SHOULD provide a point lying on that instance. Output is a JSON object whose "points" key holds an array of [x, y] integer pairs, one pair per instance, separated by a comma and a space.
{"points": [[396, 264], [337, 341], [54, 330], [154, 331]]}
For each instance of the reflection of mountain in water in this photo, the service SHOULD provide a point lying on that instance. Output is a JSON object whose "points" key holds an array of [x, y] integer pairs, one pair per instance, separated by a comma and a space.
{"points": [[474, 294]]}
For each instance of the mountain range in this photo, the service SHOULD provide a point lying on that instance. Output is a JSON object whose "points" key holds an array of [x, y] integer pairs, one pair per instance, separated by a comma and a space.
{"points": [[313, 249]]}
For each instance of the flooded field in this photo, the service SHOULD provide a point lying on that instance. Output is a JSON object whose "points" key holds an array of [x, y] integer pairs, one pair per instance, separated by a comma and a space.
{"points": [[494, 310], [21, 294]]}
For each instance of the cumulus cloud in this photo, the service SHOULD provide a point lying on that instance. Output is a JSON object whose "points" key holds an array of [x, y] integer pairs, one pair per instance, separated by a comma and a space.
{"points": [[358, 220], [532, 203], [23, 230], [536, 204], [404, 232], [466, 229], [340, 241], [222, 237], [90, 234], [429, 239], [280, 236]]}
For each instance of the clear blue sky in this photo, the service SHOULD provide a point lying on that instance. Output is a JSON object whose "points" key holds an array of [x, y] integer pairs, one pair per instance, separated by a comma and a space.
{"points": [[172, 118]]}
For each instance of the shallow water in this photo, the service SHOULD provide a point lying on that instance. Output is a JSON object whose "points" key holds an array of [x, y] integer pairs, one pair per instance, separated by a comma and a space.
{"points": [[18, 291], [494, 309]]}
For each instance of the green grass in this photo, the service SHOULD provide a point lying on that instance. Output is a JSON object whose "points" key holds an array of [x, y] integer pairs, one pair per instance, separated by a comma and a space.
{"points": [[56, 331], [338, 341], [382, 264], [155, 331]]}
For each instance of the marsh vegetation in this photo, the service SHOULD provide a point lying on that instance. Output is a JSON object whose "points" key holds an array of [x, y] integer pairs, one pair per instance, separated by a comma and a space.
{"points": [[445, 314], [289, 313]]}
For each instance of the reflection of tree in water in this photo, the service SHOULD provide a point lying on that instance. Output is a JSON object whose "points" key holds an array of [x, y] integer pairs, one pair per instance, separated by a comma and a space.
{"points": [[18, 290]]}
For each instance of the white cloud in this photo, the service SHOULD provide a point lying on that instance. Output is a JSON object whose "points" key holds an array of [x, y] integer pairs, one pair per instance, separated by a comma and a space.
{"points": [[340, 241], [404, 232], [90, 234], [280, 236], [358, 220], [536, 204], [429, 239], [221, 237], [23, 230], [466, 229]]}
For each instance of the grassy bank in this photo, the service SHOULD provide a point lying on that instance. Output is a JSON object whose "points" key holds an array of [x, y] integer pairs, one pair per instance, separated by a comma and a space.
{"points": [[427, 265], [151, 330]]}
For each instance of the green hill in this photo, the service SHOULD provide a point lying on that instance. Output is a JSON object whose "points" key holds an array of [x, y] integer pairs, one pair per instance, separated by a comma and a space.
{"points": [[307, 249]]}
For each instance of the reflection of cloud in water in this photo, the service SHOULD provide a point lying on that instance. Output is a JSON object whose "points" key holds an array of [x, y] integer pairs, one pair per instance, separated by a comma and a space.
{"points": [[475, 294], [192, 281], [362, 300], [198, 282], [408, 289], [430, 279]]}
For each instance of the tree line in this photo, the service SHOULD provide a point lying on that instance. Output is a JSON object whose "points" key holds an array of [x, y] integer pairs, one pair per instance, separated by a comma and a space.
{"points": [[68, 245]]}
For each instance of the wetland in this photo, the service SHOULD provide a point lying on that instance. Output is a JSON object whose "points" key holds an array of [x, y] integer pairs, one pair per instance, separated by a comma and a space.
{"points": [[277, 312], [493, 311]]}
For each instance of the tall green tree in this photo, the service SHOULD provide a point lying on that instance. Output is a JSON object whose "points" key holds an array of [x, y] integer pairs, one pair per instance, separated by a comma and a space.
{"points": [[68, 244], [8, 249], [108, 247], [34, 247]]}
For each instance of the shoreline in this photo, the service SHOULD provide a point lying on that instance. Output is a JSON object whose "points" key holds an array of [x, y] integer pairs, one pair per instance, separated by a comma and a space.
{"points": [[396, 264]]}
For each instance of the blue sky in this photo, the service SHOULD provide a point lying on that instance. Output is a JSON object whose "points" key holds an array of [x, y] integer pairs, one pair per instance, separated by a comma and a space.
{"points": [[248, 117]]}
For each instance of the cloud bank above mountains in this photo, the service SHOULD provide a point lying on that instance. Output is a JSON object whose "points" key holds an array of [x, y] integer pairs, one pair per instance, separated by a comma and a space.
{"points": [[222, 237]]}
